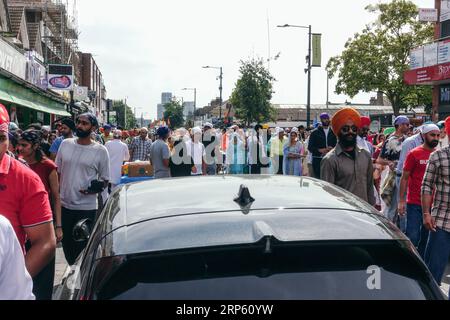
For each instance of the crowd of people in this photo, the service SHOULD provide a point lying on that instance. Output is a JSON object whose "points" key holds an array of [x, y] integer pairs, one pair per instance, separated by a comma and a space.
{"points": [[52, 179]]}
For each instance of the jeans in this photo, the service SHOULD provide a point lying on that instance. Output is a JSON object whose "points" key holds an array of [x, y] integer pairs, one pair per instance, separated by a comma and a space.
{"points": [[437, 253], [211, 169], [415, 230], [69, 219], [392, 213]]}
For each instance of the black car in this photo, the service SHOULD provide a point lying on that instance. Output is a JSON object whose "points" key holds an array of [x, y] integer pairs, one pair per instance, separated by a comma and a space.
{"points": [[244, 238]]}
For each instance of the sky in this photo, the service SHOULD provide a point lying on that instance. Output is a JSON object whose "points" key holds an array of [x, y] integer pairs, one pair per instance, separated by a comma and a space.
{"points": [[144, 48]]}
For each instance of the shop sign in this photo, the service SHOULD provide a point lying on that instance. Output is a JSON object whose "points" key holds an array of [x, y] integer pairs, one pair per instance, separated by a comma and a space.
{"points": [[430, 54], [428, 15], [36, 72], [12, 60], [60, 77], [416, 58]]}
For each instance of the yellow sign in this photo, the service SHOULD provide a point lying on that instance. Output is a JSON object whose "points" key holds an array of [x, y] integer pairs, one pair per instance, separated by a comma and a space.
{"points": [[317, 50]]}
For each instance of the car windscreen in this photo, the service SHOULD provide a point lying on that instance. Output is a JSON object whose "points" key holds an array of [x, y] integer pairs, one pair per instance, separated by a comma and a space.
{"points": [[281, 272]]}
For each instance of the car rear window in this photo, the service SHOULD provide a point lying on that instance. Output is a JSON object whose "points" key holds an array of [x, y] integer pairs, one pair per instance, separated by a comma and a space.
{"points": [[284, 272]]}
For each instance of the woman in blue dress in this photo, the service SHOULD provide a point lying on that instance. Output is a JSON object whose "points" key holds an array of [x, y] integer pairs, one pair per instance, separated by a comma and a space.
{"points": [[235, 158], [293, 155]]}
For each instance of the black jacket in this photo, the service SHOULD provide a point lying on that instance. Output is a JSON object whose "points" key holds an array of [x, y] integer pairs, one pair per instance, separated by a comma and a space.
{"points": [[317, 141]]}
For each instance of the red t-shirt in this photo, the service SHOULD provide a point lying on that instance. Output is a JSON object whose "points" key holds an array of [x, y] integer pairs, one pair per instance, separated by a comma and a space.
{"points": [[416, 164], [23, 199], [43, 170]]}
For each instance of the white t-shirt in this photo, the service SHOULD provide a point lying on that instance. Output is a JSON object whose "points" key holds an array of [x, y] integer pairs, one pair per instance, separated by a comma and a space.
{"points": [[118, 153], [78, 165], [197, 152], [15, 281], [326, 135]]}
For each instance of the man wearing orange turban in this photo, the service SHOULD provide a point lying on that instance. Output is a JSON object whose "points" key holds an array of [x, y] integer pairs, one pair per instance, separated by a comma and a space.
{"points": [[347, 165]]}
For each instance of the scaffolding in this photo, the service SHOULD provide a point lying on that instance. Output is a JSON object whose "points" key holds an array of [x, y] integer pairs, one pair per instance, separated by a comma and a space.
{"points": [[59, 28]]}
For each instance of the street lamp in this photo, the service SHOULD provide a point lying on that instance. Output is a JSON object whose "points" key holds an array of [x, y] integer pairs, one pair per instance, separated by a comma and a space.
{"points": [[220, 88], [195, 99], [308, 105]]}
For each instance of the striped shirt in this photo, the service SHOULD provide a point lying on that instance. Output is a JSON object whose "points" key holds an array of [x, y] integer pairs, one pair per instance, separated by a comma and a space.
{"points": [[437, 178]]}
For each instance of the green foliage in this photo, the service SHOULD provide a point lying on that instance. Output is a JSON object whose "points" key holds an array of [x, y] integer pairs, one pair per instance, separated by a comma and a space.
{"points": [[376, 58], [253, 92], [119, 108], [174, 112]]}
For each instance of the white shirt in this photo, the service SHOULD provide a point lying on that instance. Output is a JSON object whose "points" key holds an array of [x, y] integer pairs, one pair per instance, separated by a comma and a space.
{"points": [[118, 153], [326, 135], [197, 152], [15, 281], [78, 165], [362, 144]]}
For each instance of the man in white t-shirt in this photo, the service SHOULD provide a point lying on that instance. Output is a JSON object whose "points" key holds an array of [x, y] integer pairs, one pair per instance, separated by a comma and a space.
{"points": [[196, 150], [118, 154], [84, 171], [15, 281]]}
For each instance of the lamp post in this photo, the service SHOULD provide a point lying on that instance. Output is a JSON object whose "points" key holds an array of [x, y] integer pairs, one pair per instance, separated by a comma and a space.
{"points": [[308, 104], [220, 87], [195, 99]]}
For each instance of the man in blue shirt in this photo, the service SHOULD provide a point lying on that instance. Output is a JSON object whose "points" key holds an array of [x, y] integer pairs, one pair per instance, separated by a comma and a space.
{"points": [[66, 130]]}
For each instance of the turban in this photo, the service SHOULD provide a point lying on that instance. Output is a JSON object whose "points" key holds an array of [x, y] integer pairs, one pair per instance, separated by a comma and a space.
{"points": [[401, 120], [196, 130], [365, 122], [162, 131], [447, 125], [342, 116], [429, 127], [324, 116], [69, 123], [4, 119]]}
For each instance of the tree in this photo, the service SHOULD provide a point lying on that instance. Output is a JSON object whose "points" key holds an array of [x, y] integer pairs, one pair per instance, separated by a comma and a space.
{"points": [[376, 58], [174, 114], [119, 107], [253, 92]]}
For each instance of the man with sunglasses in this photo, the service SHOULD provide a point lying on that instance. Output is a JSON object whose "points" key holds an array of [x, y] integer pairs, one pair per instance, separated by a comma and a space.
{"points": [[347, 165]]}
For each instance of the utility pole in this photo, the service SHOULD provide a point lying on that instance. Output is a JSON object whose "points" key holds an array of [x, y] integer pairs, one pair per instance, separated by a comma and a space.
{"points": [[125, 121], [220, 89], [308, 106]]}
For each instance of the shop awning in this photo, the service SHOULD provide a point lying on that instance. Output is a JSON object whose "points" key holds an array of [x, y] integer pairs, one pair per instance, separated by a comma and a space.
{"points": [[25, 97]]}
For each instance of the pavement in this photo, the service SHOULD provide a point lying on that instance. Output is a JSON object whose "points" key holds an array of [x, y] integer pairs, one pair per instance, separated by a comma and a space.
{"points": [[61, 265]]}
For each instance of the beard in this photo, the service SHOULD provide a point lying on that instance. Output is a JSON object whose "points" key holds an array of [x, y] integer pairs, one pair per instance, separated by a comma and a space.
{"points": [[347, 140], [432, 144], [325, 123], [83, 134]]}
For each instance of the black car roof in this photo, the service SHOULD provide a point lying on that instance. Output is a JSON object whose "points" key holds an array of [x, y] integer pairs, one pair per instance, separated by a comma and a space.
{"points": [[194, 212]]}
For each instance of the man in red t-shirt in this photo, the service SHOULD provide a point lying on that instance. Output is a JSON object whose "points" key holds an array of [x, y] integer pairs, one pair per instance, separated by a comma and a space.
{"points": [[413, 173], [25, 203]]}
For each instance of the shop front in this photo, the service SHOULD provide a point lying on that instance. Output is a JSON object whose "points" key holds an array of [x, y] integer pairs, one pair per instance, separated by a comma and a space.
{"points": [[27, 103]]}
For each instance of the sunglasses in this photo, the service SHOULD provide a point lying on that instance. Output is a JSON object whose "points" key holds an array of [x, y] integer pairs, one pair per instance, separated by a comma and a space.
{"points": [[346, 129]]}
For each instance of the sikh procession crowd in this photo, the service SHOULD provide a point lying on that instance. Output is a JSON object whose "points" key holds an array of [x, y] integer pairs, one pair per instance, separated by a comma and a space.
{"points": [[50, 180]]}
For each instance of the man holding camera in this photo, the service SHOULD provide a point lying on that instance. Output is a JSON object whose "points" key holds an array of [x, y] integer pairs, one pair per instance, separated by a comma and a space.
{"points": [[84, 171]]}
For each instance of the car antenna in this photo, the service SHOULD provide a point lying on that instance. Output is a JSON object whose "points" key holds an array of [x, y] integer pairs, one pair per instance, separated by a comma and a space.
{"points": [[244, 199]]}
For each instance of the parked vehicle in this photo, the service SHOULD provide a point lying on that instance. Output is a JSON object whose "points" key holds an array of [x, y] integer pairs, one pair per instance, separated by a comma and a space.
{"points": [[244, 238]]}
